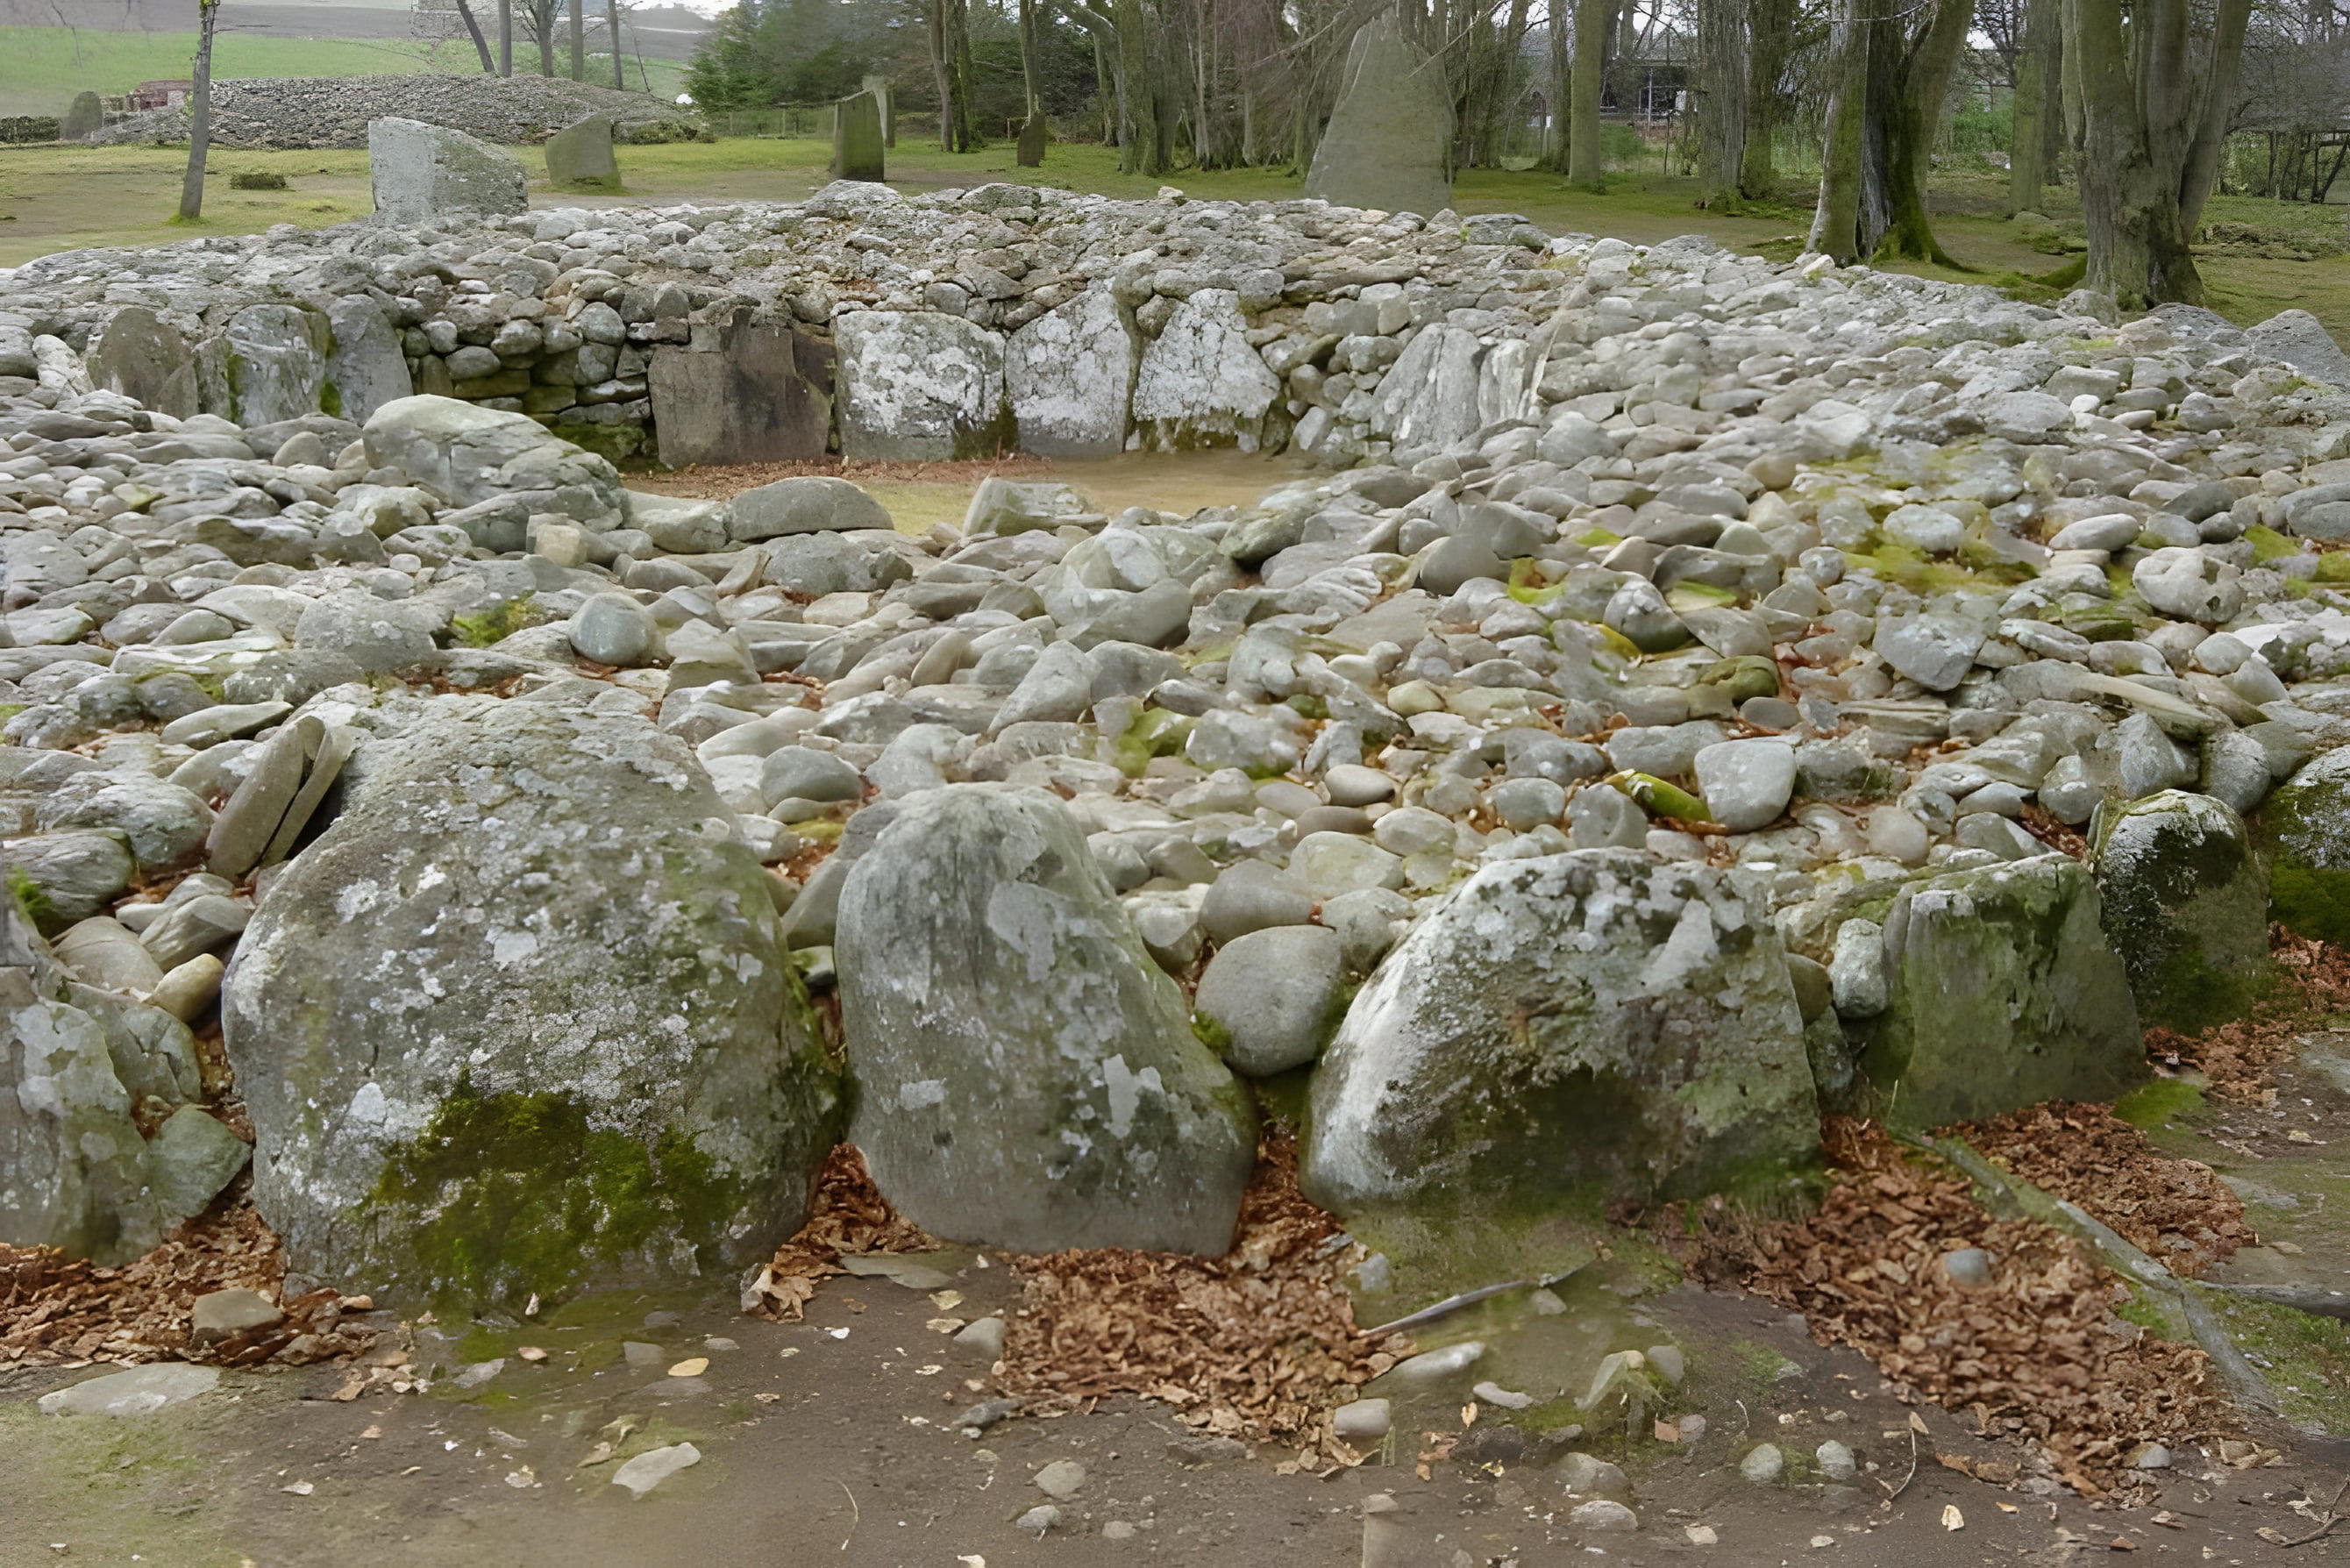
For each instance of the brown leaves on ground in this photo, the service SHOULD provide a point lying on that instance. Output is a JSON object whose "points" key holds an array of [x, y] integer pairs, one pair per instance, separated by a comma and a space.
{"points": [[2239, 1057], [54, 1308], [1255, 1345], [2178, 1210], [848, 1217], [2035, 1354]]}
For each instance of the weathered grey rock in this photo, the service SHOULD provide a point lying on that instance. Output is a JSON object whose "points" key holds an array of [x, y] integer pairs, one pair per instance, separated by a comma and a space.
{"points": [[191, 1160], [2188, 585], [137, 354], [519, 1020], [365, 367], [919, 386], [1588, 1022], [272, 365], [856, 138], [423, 173], [2301, 340], [466, 454], [2186, 906], [1200, 383], [1070, 374], [1746, 784], [613, 629], [1271, 996], [68, 876], [813, 504], [1388, 143], [579, 156], [1001, 506], [1429, 397], [1251, 896], [2003, 992], [743, 391], [135, 1391], [985, 964], [380, 636]]}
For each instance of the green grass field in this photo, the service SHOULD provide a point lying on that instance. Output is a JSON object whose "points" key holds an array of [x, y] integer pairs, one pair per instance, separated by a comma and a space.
{"points": [[61, 198], [41, 68]]}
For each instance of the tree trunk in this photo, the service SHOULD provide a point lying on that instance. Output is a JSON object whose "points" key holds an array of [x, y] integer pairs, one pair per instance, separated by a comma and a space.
{"points": [[200, 114], [578, 40], [620, 67], [2155, 99], [1594, 21], [1836, 222], [505, 37], [473, 31], [940, 74], [1721, 100], [1771, 29], [1561, 88], [958, 71], [2035, 69], [1149, 130], [1031, 104], [1907, 80], [542, 17]]}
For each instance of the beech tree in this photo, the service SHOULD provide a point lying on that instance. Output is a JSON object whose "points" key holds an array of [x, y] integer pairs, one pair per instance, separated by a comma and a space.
{"points": [[1892, 66], [2156, 84], [1595, 20], [200, 114]]}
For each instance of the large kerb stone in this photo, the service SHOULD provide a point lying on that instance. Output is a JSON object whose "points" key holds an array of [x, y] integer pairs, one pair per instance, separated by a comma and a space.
{"points": [[919, 386], [2304, 835], [1027, 1077], [2184, 905], [2002, 993], [1388, 144], [520, 1021], [1591, 1024], [423, 173]]}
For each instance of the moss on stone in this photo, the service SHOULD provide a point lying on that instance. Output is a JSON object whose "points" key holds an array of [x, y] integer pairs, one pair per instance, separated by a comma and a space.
{"points": [[507, 1194]]}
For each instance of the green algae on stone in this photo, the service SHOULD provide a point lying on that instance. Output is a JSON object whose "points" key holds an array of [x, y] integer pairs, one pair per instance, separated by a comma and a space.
{"points": [[2003, 994], [2303, 830], [2185, 906]]}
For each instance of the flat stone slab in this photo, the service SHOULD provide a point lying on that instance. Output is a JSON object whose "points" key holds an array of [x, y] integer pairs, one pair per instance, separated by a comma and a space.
{"points": [[137, 1392]]}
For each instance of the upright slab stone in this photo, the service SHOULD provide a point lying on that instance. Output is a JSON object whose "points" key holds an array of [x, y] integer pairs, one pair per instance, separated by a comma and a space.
{"points": [[743, 391], [1033, 134], [1585, 1026], [139, 355], [1430, 397], [878, 86], [2001, 992], [1388, 143], [86, 115], [1200, 383], [270, 365], [1070, 373], [365, 367], [1027, 1076], [856, 138], [420, 173], [579, 156], [2301, 340], [919, 386], [2186, 906]]}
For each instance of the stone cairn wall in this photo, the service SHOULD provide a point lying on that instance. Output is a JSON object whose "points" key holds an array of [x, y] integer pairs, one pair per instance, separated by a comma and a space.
{"points": [[334, 111], [1711, 689]]}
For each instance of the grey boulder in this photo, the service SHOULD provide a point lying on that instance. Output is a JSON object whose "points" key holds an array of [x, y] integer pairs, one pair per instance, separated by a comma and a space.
{"points": [[1027, 1077]]}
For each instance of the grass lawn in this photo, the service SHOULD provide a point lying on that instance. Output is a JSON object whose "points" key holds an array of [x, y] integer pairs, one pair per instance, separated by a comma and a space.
{"points": [[61, 198], [41, 68]]}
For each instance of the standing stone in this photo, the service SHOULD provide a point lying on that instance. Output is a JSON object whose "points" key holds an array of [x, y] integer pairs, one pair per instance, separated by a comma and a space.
{"points": [[579, 156], [86, 115], [1387, 143], [365, 367], [878, 86], [1200, 383], [139, 355], [272, 364], [1027, 1077], [423, 173], [919, 386], [1032, 133], [2184, 905], [1591, 1024], [519, 1021], [2001, 993], [743, 391], [857, 141], [1070, 373]]}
